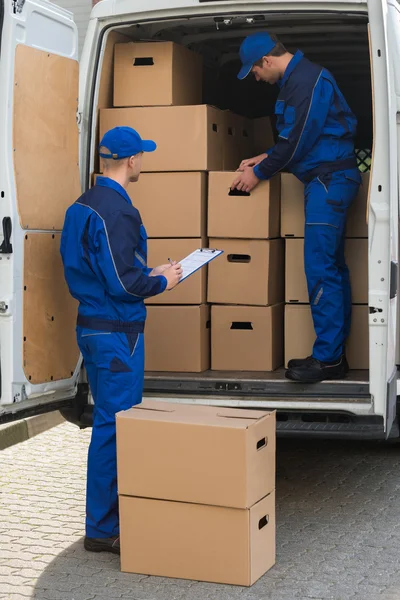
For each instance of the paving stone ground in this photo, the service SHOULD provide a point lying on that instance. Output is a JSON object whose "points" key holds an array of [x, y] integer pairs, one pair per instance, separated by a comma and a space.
{"points": [[338, 527]]}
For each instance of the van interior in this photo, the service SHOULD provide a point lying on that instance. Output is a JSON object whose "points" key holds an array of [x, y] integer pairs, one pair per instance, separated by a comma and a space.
{"points": [[337, 41]]}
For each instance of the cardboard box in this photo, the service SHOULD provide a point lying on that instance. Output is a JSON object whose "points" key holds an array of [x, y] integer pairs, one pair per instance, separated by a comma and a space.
{"points": [[263, 136], [191, 291], [250, 272], [292, 207], [247, 338], [234, 214], [189, 138], [194, 541], [237, 140], [300, 335], [156, 74], [356, 252], [198, 454], [177, 338], [160, 197]]}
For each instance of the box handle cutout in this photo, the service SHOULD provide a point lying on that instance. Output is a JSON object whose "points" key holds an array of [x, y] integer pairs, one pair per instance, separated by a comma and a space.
{"points": [[262, 443], [239, 258], [215, 127], [263, 522], [245, 134], [145, 61], [237, 192], [242, 325], [231, 131]]}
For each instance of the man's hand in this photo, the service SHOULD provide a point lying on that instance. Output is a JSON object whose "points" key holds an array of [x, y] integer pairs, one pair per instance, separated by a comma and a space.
{"points": [[160, 270], [173, 275], [246, 181], [252, 162]]}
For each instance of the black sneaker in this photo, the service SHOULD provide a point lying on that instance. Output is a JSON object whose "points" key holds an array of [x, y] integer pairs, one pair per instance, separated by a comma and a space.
{"points": [[298, 362], [314, 370], [102, 544]]}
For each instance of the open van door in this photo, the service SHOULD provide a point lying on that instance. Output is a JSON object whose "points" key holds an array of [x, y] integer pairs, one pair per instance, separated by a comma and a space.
{"points": [[39, 179], [384, 211]]}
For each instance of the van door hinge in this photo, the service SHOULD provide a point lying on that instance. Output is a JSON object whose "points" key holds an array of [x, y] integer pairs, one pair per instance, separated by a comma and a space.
{"points": [[78, 118], [6, 245], [17, 6], [393, 279]]}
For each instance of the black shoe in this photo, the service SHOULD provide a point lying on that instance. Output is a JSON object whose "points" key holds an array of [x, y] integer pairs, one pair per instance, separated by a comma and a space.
{"points": [[314, 370], [102, 544], [298, 362]]}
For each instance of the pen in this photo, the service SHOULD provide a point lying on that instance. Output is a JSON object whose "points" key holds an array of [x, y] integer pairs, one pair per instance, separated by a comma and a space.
{"points": [[170, 261]]}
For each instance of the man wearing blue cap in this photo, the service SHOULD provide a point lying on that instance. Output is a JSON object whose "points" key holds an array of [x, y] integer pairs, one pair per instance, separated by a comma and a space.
{"points": [[104, 251], [316, 131]]}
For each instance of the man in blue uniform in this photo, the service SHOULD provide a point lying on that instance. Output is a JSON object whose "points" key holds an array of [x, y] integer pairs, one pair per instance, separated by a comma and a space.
{"points": [[104, 251], [316, 130]]}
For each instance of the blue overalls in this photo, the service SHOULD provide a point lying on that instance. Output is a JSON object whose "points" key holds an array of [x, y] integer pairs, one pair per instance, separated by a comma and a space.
{"points": [[316, 143], [104, 251]]}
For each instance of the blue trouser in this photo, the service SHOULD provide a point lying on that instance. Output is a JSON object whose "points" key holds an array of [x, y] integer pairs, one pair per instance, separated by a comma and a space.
{"points": [[327, 199], [115, 366]]}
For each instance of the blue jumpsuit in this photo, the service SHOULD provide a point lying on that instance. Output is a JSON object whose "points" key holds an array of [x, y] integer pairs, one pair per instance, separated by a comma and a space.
{"points": [[104, 251], [316, 143]]}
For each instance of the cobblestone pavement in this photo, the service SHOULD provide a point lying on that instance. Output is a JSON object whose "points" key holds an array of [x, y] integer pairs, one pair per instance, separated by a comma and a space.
{"points": [[338, 529]]}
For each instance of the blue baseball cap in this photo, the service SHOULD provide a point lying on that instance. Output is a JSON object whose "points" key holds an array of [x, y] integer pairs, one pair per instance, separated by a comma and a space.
{"points": [[253, 48], [123, 142]]}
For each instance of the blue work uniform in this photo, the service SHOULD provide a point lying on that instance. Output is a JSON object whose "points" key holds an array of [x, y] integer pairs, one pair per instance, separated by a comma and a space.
{"points": [[316, 143], [104, 251]]}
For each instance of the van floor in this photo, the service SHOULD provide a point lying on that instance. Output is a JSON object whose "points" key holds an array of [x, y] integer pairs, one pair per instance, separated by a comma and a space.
{"points": [[262, 384]]}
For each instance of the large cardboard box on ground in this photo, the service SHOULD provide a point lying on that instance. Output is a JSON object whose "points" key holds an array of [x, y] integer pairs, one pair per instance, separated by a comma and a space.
{"points": [[247, 338], [300, 335], [238, 140], [234, 214], [249, 272], [195, 541], [177, 338], [189, 138], [172, 205], [191, 291], [292, 209], [198, 454], [356, 252], [156, 74], [263, 136]]}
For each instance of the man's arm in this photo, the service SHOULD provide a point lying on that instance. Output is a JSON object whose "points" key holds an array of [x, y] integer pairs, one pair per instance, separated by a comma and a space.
{"points": [[117, 241], [311, 108]]}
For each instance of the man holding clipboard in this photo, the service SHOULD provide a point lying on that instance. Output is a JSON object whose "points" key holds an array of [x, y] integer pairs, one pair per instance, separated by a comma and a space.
{"points": [[104, 252]]}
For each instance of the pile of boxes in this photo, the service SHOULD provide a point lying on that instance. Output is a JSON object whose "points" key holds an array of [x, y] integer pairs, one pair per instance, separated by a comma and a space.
{"points": [[299, 330], [197, 492], [228, 317]]}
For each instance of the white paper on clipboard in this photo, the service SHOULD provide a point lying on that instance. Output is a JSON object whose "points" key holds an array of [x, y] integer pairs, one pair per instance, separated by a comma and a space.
{"points": [[196, 260]]}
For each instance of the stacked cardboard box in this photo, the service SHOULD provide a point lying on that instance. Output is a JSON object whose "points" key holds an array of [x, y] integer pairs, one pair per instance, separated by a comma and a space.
{"points": [[153, 94], [299, 331], [205, 515], [248, 279]]}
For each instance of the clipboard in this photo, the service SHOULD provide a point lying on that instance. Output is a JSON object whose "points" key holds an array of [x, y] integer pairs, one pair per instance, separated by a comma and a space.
{"points": [[198, 259]]}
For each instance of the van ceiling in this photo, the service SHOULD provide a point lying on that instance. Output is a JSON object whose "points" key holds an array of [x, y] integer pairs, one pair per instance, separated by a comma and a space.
{"points": [[336, 41]]}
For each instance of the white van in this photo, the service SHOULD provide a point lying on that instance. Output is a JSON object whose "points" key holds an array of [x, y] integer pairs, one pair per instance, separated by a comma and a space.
{"points": [[49, 108]]}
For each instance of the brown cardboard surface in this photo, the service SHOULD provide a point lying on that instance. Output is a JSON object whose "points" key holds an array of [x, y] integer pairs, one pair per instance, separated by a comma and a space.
{"points": [[171, 74], [300, 336], [263, 135], [49, 313], [250, 272], [252, 216], [191, 291], [177, 338], [193, 541], [356, 252], [237, 140], [292, 208], [246, 338], [45, 137], [201, 454], [189, 138], [172, 205]]}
